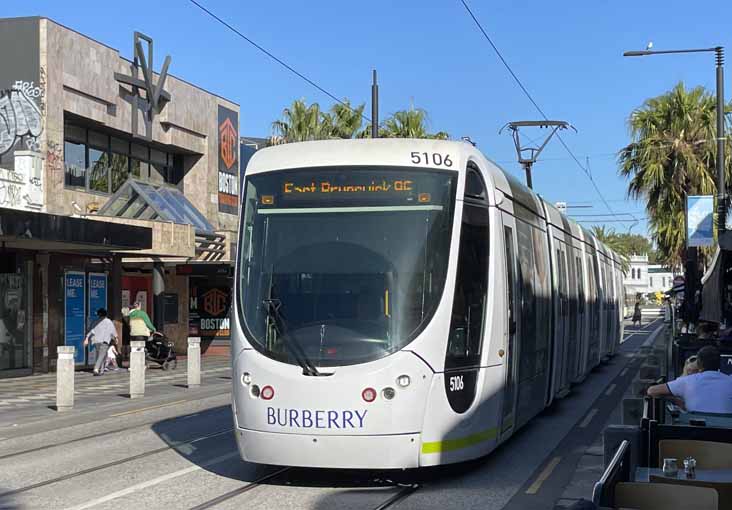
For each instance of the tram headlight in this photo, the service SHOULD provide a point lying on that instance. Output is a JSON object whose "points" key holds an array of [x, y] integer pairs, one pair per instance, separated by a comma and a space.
{"points": [[388, 393], [403, 380], [246, 378], [369, 395], [267, 393]]}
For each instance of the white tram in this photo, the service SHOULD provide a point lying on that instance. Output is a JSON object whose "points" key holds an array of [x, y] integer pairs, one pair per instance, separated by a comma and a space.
{"points": [[404, 303]]}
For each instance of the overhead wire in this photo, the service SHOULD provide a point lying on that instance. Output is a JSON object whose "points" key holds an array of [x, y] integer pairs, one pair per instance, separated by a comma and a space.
{"points": [[277, 59], [536, 105]]}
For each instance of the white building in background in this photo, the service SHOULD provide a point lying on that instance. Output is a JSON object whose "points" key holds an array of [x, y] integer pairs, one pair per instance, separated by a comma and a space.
{"points": [[645, 278], [660, 278]]}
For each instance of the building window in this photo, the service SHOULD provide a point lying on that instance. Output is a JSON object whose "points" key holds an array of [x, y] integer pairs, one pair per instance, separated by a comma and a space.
{"points": [[100, 163], [650, 281], [75, 164]]}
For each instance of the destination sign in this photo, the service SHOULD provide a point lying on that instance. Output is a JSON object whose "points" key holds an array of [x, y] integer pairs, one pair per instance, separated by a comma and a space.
{"points": [[328, 187], [353, 186]]}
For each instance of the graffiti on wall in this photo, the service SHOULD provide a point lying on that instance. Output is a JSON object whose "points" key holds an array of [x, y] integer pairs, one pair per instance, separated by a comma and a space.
{"points": [[22, 187], [20, 117]]}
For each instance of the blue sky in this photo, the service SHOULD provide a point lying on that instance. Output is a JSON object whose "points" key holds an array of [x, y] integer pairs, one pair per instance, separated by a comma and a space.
{"points": [[429, 53]]}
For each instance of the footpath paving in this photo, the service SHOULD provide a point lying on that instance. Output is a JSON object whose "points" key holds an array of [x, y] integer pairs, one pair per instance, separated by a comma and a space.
{"points": [[591, 464], [33, 397]]}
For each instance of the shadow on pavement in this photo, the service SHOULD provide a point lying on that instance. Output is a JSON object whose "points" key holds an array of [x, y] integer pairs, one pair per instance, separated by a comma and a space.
{"points": [[8, 502]]}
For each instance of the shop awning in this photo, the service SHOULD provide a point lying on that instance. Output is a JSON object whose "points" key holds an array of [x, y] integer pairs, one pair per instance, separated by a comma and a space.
{"points": [[40, 231], [145, 201]]}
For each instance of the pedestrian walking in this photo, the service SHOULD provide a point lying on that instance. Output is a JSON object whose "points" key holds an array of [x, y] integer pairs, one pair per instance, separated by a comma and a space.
{"points": [[637, 314], [101, 335], [141, 327], [112, 355]]}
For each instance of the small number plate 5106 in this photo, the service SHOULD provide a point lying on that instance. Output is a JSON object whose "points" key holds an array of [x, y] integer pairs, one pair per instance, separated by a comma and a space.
{"points": [[431, 158]]}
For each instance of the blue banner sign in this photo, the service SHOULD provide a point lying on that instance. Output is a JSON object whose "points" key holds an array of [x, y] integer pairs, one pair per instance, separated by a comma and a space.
{"points": [[74, 316], [97, 283], [700, 220]]}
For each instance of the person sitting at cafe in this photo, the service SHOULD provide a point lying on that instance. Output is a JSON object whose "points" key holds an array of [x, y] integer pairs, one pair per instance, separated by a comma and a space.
{"points": [[708, 391], [691, 366]]}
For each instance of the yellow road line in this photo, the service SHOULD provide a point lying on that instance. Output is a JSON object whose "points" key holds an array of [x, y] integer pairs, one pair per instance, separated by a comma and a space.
{"points": [[546, 473], [588, 418], [148, 408]]}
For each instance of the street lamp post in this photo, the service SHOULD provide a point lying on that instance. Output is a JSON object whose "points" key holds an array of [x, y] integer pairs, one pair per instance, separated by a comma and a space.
{"points": [[721, 189], [692, 263]]}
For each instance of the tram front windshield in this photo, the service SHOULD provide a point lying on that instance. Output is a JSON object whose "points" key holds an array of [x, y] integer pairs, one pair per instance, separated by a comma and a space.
{"points": [[340, 266]]}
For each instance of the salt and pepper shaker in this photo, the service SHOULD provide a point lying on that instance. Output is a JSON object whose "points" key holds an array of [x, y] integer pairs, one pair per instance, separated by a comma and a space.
{"points": [[690, 467], [670, 468]]}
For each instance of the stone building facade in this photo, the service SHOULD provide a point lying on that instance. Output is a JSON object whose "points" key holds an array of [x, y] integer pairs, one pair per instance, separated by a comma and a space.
{"points": [[90, 134]]}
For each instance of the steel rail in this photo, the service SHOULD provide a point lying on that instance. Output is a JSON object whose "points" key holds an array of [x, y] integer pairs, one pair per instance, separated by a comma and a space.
{"points": [[125, 460]]}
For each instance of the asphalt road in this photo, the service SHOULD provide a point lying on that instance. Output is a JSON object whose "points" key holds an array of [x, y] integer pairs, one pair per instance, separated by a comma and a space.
{"points": [[184, 456]]}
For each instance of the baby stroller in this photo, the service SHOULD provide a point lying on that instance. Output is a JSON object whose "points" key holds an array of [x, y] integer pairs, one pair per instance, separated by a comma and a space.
{"points": [[158, 349]]}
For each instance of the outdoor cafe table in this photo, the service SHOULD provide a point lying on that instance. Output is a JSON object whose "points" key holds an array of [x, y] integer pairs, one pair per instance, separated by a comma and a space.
{"points": [[643, 474], [709, 420]]}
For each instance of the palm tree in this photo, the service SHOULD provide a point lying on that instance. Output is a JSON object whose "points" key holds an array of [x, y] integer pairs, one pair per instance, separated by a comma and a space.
{"points": [[671, 155], [615, 242], [410, 123], [301, 122], [345, 120]]}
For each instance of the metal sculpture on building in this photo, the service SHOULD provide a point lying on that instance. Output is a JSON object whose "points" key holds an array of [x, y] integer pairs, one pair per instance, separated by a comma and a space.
{"points": [[156, 97]]}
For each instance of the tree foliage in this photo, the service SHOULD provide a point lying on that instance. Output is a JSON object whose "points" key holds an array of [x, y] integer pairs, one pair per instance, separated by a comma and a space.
{"points": [[302, 122], [625, 244], [672, 154], [613, 241]]}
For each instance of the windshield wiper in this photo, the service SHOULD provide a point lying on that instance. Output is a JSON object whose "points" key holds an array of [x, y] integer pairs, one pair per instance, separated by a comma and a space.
{"points": [[273, 312]]}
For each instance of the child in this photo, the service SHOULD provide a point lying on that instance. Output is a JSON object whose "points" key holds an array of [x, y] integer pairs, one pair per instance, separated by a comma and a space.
{"points": [[112, 356]]}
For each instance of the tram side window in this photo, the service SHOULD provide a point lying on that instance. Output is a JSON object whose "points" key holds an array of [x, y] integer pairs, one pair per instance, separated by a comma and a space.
{"points": [[474, 187], [561, 265], [527, 361], [580, 285], [592, 296], [471, 287], [542, 294]]}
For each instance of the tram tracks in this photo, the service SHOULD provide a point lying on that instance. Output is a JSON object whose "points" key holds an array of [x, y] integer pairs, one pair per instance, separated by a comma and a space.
{"points": [[173, 446], [404, 491], [128, 428], [211, 503]]}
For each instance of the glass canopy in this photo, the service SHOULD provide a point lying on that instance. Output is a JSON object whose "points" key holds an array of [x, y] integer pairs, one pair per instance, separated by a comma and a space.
{"points": [[144, 201]]}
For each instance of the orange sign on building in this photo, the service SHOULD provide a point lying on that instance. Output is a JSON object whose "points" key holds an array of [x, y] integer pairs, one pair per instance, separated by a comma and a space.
{"points": [[228, 161], [214, 302], [227, 143]]}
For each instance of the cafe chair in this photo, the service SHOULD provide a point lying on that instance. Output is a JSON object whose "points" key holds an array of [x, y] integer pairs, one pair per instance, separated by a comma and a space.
{"points": [[664, 496], [708, 454], [724, 489]]}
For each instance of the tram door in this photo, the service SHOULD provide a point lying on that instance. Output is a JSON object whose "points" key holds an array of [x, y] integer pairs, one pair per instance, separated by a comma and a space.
{"points": [[511, 354]]}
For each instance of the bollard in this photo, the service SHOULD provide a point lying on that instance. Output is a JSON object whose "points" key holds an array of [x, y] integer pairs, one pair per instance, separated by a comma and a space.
{"points": [[632, 410], [649, 371], [651, 359], [613, 435], [137, 369], [65, 378], [194, 362], [640, 386]]}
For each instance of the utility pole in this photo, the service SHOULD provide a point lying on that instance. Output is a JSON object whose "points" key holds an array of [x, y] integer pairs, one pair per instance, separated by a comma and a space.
{"points": [[527, 155], [374, 107]]}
